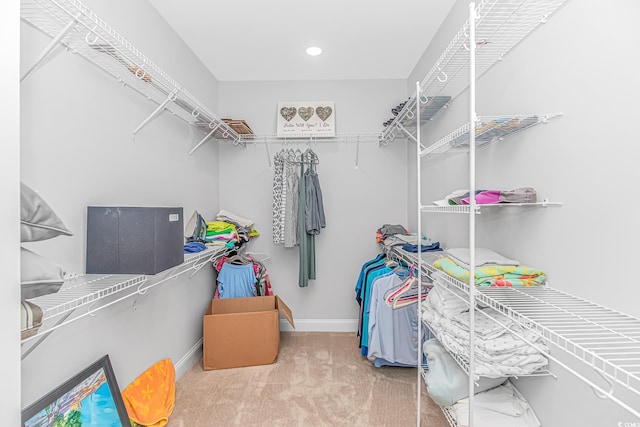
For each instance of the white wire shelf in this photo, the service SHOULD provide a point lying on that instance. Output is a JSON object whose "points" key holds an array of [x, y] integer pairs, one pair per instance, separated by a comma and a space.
{"points": [[605, 339], [600, 338], [90, 289], [463, 359], [412, 259], [429, 108], [488, 129], [500, 26], [85, 290], [460, 360], [465, 209], [71, 24], [446, 410], [449, 415]]}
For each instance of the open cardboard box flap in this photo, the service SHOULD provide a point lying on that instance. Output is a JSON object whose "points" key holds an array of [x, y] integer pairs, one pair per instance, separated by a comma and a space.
{"points": [[284, 311]]}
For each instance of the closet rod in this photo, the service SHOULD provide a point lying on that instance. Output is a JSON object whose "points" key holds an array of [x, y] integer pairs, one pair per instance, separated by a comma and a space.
{"points": [[274, 139]]}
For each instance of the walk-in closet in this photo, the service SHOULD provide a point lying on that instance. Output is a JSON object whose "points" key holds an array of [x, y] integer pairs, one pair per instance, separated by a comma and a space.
{"points": [[430, 223]]}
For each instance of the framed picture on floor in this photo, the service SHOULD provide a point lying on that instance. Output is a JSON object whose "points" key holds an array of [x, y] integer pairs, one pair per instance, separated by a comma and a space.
{"points": [[90, 398]]}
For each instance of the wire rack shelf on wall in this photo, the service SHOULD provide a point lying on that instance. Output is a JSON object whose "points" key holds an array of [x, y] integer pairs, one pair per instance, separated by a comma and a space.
{"points": [[500, 26], [71, 24], [94, 292]]}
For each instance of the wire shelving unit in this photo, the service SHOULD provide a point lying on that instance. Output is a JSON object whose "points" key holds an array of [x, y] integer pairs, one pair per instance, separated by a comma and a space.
{"points": [[71, 24], [601, 339]]}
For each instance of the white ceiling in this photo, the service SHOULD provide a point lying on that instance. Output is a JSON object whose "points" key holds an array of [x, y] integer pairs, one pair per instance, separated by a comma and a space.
{"points": [[254, 40]]}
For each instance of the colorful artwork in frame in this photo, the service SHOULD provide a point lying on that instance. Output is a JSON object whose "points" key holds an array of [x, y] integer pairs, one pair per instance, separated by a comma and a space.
{"points": [[91, 398]]}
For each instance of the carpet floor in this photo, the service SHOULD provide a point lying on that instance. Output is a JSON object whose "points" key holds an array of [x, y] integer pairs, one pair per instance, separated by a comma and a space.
{"points": [[320, 379]]}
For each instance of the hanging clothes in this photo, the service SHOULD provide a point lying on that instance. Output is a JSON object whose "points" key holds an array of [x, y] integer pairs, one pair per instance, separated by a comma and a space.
{"points": [[286, 177], [236, 281], [279, 193], [314, 208], [307, 269], [298, 207], [241, 276], [292, 176], [387, 336], [311, 215]]}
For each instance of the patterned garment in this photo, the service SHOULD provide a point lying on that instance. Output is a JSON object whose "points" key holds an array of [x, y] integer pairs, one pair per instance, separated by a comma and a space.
{"points": [[494, 275], [278, 192], [291, 209], [283, 195]]}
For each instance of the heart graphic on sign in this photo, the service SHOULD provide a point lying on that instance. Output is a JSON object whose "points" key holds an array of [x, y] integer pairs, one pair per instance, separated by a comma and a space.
{"points": [[324, 112], [305, 113], [288, 113]]}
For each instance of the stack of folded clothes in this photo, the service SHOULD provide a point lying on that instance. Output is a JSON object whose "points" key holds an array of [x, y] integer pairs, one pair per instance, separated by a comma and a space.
{"points": [[489, 197], [397, 236]]}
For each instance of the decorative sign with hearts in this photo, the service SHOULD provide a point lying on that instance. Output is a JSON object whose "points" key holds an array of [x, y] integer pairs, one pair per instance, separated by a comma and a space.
{"points": [[306, 119]]}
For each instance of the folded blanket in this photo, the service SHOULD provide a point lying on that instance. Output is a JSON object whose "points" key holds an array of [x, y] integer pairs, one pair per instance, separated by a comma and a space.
{"points": [[483, 257], [494, 275], [522, 359]]}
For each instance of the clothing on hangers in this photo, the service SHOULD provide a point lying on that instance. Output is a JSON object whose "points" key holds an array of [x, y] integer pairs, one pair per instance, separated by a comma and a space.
{"points": [[292, 178], [392, 333], [279, 197], [307, 267], [236, 281], [406, 293], [239, 279]]}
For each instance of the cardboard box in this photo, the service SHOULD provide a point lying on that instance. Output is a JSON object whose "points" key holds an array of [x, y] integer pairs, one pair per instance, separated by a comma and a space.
{"points": [[243, 331], [133, 240]]}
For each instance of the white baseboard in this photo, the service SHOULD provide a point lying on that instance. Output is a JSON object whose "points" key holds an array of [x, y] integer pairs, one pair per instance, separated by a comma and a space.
{"points": [[182, 365], [320, 325]]}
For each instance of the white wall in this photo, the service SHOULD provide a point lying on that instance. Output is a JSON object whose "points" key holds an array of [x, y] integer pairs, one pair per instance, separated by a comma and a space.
{"points": [[356, 201], [581, 63], [76, 150], [10, 212]]}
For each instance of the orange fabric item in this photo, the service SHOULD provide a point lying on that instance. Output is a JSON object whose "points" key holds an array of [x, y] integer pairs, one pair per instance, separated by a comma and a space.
{"points": [[150, 398]]}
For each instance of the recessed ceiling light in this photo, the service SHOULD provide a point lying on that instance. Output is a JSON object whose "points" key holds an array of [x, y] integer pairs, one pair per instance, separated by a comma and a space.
{"points": [[314, 51]]}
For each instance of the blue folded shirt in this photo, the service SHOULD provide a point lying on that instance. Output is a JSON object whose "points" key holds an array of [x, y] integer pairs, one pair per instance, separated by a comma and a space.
{"points": [[192, 247], [435, 246]]}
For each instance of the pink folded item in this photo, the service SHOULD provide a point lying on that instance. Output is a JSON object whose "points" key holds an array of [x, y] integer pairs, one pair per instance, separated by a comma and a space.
{"points": [[485, 198]]}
